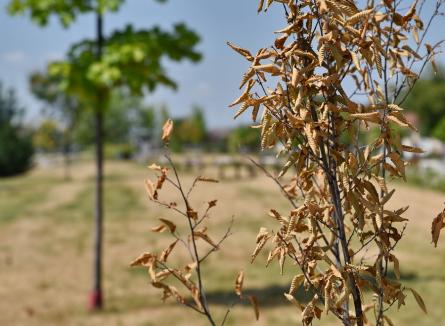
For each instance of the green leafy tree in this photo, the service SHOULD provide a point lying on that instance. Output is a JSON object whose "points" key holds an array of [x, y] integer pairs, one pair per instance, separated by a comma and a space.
{"points": [[243, 138], [127, 58], [16, 149], [47, 136], [192, 130], [439, 130], [427, 100]]}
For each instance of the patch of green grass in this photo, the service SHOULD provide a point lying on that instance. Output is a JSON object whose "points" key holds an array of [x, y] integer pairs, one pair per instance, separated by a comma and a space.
{"points": [[18, 195], [81, 205], [110, 177], [250, 191], [120, 200], [66, 229]]}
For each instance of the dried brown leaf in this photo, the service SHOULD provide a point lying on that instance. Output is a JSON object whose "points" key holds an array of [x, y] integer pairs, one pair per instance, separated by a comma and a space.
{"points": [[150, 187], [206, 179], [212, 203], [260, 5], [146, 259], [295, 284], [202, 235], [419, 300], [167, 251], [155, 167], [171, 226], [437, 225], [239, 284], [167, 129], [245, 53], [369, 117]]}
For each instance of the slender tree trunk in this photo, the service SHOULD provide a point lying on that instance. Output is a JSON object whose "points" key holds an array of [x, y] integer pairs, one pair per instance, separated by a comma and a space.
{"points": [[331, 175], [96, 298], [66, 155]]}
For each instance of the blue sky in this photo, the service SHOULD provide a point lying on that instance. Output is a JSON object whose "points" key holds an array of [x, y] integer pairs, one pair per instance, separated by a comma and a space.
{"points": [[212, 84]]}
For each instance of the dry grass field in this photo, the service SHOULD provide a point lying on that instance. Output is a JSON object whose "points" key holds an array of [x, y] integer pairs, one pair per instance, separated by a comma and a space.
{"points": [[45, 256]]}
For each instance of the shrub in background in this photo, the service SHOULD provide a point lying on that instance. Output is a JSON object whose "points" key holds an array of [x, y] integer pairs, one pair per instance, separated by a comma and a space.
{"points": [[16, 148]]}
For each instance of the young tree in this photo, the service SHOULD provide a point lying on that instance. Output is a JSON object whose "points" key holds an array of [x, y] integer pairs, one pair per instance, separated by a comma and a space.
{"points": [[165, 272], [127, 58], [339, 192]]}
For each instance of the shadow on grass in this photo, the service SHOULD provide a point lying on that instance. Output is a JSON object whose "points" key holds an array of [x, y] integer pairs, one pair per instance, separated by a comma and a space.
{"points": [[270, 296], [273, 295], [409, 276]]}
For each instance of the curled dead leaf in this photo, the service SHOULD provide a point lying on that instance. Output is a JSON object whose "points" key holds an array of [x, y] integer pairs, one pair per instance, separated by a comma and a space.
{"points": [[171, 226], [151, 191], [437, 225], [146, 259], [155, 167], [167, 129], [167, 251]]}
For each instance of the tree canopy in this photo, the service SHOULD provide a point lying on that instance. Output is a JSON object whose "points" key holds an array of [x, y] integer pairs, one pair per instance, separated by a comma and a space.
{"points": [[66, 10], [48, 136], [131, 59]]}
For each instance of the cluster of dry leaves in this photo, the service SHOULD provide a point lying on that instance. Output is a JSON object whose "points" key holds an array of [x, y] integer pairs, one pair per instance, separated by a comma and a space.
{"points": [[339, 231]]}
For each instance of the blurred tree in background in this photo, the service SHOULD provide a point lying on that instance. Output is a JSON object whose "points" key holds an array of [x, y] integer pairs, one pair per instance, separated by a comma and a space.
{"points": [[117, 122], [191, 130], [197, 122], [439, 130], [61, 107], [127, 58], [245, 139], [127, 123], [47, 137], [16, 149], [145, 123], [427, 100]]}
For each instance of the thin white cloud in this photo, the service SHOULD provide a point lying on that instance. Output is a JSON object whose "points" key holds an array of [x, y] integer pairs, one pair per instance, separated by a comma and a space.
{"points": [[14, 57]]}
